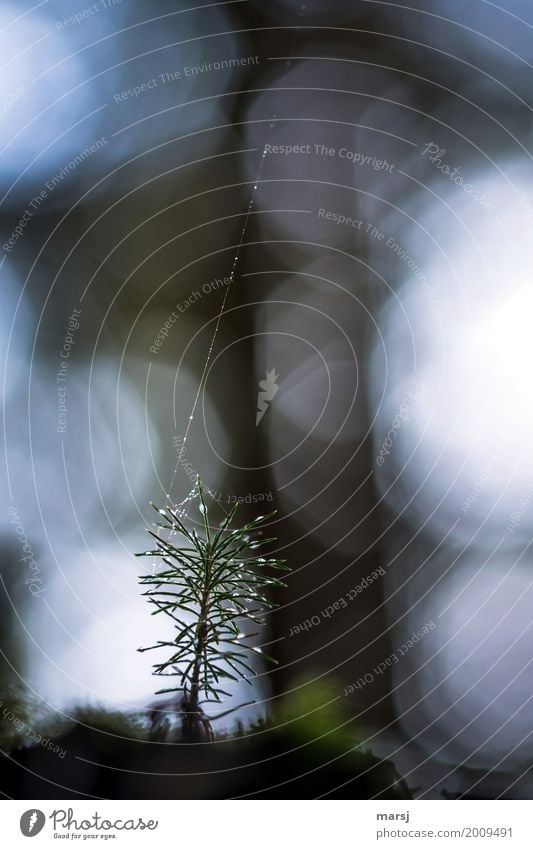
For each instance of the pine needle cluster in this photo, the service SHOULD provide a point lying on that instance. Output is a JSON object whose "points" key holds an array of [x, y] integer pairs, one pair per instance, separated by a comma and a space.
{"points": [[214, 589]]}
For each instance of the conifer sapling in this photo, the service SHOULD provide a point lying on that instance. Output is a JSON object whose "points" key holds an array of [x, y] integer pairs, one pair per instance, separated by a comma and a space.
{"points": [[213, 589]]}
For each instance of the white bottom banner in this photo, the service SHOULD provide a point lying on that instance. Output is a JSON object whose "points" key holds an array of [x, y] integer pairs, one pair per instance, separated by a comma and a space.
{"points": [[225, 824]]}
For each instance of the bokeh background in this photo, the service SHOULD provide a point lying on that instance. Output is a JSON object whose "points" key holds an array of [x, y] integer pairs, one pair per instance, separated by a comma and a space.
{"points": [[192, 197]]}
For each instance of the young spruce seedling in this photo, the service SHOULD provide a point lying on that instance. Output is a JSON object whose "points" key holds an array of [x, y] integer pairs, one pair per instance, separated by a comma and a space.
{"points": [[213, 589]]}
